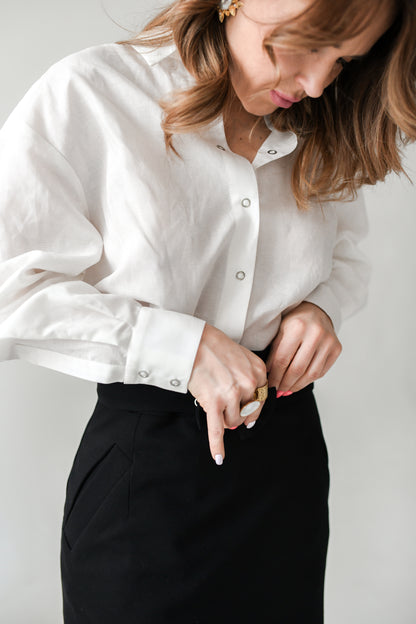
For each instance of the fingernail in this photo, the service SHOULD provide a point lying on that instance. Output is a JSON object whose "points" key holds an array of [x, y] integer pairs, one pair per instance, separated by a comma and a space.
{"points": [[218, 459], [233, 427], [251, 424], [279, 394], [287, 393]]}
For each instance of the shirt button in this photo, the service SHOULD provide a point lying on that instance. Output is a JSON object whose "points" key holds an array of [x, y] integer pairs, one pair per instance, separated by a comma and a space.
{"points": [[272, 152], [246, 202], [175, 382], [240, 275], [220, 147], [144, 374]]}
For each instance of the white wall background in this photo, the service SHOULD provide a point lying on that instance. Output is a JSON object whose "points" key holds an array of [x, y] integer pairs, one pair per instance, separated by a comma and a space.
{"points": [[367, 401]]}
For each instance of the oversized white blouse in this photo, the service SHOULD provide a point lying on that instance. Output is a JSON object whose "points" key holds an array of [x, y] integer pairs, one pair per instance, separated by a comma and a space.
{"points": [[114, 253]]}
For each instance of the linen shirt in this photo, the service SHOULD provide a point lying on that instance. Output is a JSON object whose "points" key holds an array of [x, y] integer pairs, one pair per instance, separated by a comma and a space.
{"points": [[115, 253]]}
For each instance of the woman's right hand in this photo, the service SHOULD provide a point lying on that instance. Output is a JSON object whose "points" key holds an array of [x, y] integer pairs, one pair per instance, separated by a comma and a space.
{"points": [[225, 375]]}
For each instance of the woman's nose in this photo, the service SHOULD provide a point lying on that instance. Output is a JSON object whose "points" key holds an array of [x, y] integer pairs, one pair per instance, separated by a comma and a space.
{"points": [[312, 84], [315, 76]]}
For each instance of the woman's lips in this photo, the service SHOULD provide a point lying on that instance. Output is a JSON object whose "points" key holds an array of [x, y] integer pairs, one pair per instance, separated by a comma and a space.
{"points": [[281, 101]]}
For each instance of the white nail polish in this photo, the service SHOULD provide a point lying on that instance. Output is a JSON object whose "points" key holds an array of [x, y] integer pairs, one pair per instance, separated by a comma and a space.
{"points": [[218, 459], [251, 424]]}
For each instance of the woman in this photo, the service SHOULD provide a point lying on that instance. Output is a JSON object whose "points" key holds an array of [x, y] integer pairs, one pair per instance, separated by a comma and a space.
{"points": [[174, 228]]}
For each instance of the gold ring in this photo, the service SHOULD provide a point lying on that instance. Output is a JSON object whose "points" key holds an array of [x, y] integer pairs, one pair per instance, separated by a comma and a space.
{"points": [[260, 394]]}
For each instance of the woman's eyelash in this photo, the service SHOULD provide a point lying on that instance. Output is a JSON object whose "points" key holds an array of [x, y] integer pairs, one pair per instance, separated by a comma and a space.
{"points": [[341, 61]]}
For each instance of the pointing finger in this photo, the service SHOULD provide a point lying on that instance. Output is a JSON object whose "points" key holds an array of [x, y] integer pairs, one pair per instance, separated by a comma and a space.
{"points": [[215, 426]]}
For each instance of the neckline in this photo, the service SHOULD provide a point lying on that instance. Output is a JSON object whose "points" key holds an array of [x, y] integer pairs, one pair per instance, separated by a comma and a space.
{"points": [[260, 148], [276, 145]]}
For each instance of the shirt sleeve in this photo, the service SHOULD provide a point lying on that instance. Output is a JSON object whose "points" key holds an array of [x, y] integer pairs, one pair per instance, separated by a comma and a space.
{"points": [[49, 315], [346, 289]]}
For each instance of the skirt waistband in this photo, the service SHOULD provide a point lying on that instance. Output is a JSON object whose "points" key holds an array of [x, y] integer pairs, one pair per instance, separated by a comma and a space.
{"points": [[152, 398]]}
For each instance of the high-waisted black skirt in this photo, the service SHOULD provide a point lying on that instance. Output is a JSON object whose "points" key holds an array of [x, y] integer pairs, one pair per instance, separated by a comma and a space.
{"points": [[154, 532]]}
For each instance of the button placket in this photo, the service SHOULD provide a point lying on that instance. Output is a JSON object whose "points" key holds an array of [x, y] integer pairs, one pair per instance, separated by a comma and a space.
{"points": [[242, 250]]}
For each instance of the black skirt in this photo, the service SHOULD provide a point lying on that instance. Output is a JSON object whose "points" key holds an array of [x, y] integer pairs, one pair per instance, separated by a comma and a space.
{"points": [[154, 532]]}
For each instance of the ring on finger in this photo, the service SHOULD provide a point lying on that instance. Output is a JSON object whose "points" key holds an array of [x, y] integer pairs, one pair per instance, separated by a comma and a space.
{"points": [[260, 394]]}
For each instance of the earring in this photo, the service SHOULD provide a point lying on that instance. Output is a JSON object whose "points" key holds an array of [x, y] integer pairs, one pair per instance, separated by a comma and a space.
{"points": [[228, 7]]}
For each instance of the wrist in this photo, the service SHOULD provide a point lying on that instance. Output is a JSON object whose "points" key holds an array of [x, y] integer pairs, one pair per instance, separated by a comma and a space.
{"points": [[309, 308]]}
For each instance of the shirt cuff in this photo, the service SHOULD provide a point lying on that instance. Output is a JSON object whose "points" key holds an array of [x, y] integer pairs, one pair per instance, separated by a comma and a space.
{"points": [[163, 348], [324, 298]]}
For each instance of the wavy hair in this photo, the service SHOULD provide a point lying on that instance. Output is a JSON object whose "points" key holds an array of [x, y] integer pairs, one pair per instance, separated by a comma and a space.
{"points": [[351, 135]]}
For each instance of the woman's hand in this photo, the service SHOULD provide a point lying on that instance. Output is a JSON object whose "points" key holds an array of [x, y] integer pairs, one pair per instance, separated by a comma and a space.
{"points": [[304, 349], [225, 374]]}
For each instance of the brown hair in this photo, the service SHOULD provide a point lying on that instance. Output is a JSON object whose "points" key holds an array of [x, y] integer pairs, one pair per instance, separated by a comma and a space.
{"points": [[350, 135]]}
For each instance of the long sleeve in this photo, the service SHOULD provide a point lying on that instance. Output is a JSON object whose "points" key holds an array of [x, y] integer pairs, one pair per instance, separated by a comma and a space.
{"points": [[49, 315], [346, 290]]}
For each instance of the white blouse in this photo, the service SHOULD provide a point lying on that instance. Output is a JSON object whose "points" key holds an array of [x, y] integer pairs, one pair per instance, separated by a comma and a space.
{"points": [[114, 253]]}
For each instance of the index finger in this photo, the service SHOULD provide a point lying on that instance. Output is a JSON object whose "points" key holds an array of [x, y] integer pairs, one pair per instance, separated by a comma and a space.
{"points": [[215, 425]]}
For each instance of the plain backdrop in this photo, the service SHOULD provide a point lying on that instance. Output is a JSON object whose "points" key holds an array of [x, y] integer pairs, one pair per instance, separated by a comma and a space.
{"points": [[367, 401]]}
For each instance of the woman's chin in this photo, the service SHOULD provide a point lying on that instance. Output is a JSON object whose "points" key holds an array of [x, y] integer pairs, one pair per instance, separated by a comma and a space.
{"points": [[259, 109]]}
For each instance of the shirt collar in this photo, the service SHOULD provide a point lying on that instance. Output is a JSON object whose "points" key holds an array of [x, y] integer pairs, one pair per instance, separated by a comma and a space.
{"points": [[153, 55], [277, 145]]}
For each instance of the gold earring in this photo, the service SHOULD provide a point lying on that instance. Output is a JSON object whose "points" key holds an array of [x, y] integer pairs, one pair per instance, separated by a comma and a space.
{"points": [[228, 7]]}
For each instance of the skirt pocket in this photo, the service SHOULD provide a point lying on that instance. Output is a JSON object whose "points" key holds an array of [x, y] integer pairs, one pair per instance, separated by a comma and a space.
{"points": [[99, 481]]}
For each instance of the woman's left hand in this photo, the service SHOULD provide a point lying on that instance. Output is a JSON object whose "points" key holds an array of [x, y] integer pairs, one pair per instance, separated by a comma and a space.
{"points": [[304, 349]]}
